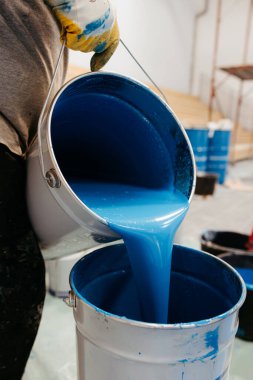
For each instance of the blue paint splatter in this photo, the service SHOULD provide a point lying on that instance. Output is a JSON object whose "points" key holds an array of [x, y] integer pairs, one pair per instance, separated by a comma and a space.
{"points": [[183, 361], [211, 340], [94, 25]]}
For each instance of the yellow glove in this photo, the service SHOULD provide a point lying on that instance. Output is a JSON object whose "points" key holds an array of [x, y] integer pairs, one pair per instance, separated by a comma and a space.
{"points": [[88, 25]]}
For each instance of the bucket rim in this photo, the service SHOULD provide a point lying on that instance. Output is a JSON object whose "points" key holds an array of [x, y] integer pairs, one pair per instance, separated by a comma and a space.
{"points": [[165, 326], [140, 84]]}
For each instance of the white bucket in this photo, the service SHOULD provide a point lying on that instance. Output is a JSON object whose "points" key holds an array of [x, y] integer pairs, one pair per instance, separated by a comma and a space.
{"points": [[205, 297]]}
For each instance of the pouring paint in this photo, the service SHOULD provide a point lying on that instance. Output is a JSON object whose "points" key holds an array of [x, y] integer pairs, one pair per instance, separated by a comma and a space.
{"points": [[147, 219], [130, 167]]}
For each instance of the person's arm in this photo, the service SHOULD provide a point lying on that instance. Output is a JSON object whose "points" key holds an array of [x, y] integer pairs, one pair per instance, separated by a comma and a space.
{"points": [[88, 25]]}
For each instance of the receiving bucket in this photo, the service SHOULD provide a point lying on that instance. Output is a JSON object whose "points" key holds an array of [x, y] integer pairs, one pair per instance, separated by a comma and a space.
{"points": [[244, 264], [218, 153], [106, 127], [196, 344], [199, 141]]}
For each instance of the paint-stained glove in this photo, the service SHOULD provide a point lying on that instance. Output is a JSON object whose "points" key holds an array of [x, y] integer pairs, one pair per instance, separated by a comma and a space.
{"points": [[88, 25]]}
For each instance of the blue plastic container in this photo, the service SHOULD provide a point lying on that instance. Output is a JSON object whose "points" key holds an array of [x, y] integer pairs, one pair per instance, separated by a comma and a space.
{"points": [[218, 154], [199, 142]]}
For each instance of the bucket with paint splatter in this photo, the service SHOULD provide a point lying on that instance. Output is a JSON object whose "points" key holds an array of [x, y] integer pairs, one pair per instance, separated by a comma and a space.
{"points": [[113, 343]]}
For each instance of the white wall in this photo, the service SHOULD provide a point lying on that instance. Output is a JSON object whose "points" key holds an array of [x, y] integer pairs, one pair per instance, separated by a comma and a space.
{"points": [[232, 34], [230, 53], [159, 34]]}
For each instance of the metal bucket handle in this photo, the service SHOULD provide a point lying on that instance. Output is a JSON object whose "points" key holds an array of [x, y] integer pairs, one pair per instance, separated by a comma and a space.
{"points": [[50, 175]]}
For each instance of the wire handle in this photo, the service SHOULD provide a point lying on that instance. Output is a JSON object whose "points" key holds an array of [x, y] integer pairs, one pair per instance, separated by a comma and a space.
{"points": [[144, 71], [43, 112]]}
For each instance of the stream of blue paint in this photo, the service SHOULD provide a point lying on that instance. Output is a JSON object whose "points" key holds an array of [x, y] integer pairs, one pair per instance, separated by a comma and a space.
{"points": [[147, 220]]}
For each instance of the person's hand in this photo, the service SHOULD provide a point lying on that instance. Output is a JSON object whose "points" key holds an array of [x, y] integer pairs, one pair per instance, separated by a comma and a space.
{"points": [[88, 25]]}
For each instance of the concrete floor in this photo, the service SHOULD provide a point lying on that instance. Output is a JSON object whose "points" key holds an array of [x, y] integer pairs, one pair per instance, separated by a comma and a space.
{"points": [[231, 208]]}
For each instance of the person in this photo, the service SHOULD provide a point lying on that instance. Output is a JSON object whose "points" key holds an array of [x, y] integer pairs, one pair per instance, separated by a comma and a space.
{"points": [[30, 46]]}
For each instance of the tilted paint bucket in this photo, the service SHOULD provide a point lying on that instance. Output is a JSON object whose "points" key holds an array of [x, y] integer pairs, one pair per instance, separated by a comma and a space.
{"points": [[205, 297], [108, 127], [199, 141]]}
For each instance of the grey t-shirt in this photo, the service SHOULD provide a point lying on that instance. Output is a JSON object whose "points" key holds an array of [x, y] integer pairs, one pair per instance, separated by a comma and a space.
{"points": [[29, 48]]}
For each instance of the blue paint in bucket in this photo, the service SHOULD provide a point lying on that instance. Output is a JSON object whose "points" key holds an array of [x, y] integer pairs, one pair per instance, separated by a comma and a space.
{"points": [[202, 287], [218, 154], [108, 127], [199, 142]]}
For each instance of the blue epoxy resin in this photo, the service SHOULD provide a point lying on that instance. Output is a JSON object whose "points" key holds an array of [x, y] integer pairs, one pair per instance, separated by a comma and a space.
{"points": [[247, 275], [147, 220]]}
